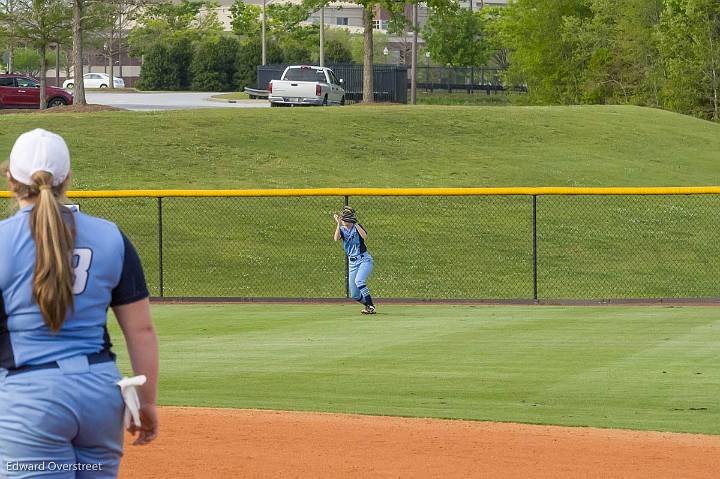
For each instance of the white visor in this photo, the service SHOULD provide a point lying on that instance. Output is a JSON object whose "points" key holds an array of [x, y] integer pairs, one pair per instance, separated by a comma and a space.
{"points": [[39, 150]]}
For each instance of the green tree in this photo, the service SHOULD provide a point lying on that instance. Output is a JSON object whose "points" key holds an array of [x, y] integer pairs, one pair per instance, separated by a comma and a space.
{"points": [[357, 46], [336, 52], [285, 18], [458, 36], [301, 44], [40, 23], [690, 47], [8, 34], [114, 18], [540, 55], [283, 25], [213, 67], [166, 65], [248, 58], [638, 50], [169, 21], [296, 53], [27, 61], [181, 55], [159, 71], [616, 50], [245, 18]]}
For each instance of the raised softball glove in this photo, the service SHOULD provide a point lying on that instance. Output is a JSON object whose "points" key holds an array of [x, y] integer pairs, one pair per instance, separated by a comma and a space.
{"points": [[348, 215]]}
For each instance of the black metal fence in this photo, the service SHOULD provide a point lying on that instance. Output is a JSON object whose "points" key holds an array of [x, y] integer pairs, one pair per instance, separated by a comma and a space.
{"points": [[389, 81], [469, 79], [444, 78], [516, 247]]}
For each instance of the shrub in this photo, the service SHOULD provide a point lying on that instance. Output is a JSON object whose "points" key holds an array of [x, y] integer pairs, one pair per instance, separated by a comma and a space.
{"points": [[181, 54], [248, 58], [296, 53], [336, 52], [213, 65], [159, 71]]}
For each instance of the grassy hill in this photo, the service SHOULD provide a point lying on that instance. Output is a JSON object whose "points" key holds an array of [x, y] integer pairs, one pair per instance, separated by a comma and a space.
{"points": [[385, 146], [602, 247]]}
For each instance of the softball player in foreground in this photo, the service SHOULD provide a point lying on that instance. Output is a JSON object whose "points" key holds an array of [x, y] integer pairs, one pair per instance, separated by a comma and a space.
{"points": [[61, 411], [353, 236]]}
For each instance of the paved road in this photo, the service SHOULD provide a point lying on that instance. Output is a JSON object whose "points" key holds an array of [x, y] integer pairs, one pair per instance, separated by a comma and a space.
{"points": [[166, 101]]}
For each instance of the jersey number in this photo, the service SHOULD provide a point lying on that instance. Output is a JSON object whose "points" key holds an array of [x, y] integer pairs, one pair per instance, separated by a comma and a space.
{"points": [[81, 264]]}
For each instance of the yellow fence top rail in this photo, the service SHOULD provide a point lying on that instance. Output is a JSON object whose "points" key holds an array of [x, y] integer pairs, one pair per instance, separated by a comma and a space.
{"points": [[535, 191]]}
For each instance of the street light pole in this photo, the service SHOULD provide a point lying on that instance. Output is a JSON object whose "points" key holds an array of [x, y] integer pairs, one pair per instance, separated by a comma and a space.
{"points": [[264, 58], [413, 81], [427, 69], [322, 37], [57, 65]]}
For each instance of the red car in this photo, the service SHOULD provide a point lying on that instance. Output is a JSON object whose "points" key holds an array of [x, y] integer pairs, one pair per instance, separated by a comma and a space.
{"points": [[20, 91]]}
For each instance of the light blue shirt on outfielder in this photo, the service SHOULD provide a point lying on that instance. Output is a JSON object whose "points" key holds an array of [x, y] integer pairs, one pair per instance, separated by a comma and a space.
{"points": [[352, 241], [360, 263]]}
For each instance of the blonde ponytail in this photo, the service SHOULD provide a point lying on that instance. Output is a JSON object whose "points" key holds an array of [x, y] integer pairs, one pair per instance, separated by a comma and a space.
{"points": [[53, 229]]}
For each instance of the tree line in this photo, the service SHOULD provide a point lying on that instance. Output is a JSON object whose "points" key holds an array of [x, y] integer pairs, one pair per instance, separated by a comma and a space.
{"points": [[40, 25], [658, 53], [184, 45]]}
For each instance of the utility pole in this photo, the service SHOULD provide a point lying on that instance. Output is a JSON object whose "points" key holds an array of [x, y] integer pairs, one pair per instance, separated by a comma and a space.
{"points": [[264, 57], [322, 37], [57, 65], [413, 62]]}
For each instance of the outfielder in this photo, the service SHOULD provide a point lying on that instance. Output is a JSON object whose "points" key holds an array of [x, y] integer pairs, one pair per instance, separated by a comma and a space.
{"points": [[61, 410], [359, 260]]}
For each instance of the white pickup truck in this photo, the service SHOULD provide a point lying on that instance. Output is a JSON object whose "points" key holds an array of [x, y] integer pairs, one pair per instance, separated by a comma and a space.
{"points": [[306, 85]]}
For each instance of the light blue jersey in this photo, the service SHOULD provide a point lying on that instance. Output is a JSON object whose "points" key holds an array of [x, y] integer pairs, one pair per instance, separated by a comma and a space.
{"points": [[107, 272], [61, 411], [360, 264], [352, 241]]}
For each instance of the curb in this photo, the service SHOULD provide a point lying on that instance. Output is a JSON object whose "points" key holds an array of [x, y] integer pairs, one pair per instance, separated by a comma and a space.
{"points": [[224, 100]]}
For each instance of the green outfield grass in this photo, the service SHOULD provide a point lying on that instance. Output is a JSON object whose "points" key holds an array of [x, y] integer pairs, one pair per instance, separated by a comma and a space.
{"points": [[384, 146], [478, 98], [650, 368], [588, 248]]}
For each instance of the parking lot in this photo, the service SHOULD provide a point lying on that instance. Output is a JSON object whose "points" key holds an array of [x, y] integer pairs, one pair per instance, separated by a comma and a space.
{"points": [[166, 101]]}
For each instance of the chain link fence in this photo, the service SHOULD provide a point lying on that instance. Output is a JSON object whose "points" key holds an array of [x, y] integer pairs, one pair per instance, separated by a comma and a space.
{"points": [[504, 247]]}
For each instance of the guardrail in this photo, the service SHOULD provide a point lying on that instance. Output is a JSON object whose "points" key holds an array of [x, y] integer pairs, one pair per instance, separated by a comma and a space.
{"points": [[256, 93], [506, 244]]}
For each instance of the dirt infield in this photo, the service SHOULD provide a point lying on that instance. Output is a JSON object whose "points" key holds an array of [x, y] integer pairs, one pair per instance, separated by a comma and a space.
{"points": [[230, 443]]}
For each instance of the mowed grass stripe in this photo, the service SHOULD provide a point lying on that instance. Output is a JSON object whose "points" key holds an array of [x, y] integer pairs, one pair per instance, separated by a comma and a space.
{"points": [[589, 248], [383, 146], [646, 368]]}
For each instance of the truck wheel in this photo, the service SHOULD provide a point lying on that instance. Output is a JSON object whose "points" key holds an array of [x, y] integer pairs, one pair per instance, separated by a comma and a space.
{"points": [[342, 101], [325, 101]]}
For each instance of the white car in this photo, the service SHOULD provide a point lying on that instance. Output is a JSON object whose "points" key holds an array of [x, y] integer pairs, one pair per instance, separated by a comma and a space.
{"points": [[306, 85], [95, 80]]}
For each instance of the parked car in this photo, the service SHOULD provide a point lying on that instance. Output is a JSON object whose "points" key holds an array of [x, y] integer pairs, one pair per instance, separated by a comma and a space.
{"points": [[306, 85], [95, 80], [20, 91]]}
